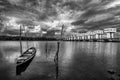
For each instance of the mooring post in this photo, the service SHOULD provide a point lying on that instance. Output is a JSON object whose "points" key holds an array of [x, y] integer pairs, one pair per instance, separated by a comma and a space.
{"points": [[56, 60]]}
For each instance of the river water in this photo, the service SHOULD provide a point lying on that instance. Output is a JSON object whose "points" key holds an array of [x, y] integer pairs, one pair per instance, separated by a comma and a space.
{"points": [[77, 60]]}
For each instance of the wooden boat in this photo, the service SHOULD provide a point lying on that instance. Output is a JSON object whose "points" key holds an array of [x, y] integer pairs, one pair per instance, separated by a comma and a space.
{"points": [[24, 60]]}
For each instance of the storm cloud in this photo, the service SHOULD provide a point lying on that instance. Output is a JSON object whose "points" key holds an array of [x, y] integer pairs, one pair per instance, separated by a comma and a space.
{"points": [[82, 14]]}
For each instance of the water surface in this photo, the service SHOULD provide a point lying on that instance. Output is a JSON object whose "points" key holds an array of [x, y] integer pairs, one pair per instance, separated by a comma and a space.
{"points": [[77, 60]]}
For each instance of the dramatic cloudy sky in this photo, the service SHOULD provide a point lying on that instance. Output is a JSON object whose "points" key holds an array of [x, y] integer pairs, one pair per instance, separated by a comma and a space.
{"points": [[77, 15]]}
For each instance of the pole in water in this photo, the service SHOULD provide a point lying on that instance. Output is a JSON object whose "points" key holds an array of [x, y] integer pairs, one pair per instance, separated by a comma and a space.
{"points": [[56, 61], [20, 41], [46, 49], [27, 41]]}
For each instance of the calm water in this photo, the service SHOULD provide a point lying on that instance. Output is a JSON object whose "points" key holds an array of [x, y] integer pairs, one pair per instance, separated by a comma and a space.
{"points": [[77, 60]]}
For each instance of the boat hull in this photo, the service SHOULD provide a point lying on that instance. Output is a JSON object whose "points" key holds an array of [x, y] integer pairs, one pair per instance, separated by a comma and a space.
{"points": [[21, 67]]}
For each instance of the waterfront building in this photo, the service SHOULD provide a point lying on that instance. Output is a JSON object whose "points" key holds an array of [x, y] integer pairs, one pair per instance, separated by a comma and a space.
{"points": [[88, 35], [110, 32], [107, 34], [80, 36], [92, 35], [98, 34], [83, 36]]}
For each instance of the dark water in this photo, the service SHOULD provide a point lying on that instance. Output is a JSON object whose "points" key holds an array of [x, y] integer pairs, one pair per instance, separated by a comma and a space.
{"points": [[77, 61]]}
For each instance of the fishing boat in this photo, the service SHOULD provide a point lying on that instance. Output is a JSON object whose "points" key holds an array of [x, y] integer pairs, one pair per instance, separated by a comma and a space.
{"points": [[24, 60]]}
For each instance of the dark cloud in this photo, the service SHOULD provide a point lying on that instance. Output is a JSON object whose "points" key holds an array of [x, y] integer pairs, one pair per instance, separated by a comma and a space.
{"points": [[72, 5], [26, 22], [99, 16], [79, 22], [90, 14]]}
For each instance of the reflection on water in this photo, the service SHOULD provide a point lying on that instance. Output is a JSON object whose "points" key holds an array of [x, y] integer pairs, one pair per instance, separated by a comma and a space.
{"points": [[111, 53], [77, 60]]}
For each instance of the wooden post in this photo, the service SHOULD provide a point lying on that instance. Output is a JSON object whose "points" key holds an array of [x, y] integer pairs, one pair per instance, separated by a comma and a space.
{"points": [[56, 60], [20, 41], [27, 41], [46, 49]]}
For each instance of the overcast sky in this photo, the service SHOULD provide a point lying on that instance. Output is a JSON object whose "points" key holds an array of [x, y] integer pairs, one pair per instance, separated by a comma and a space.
{"points": [[79, 14]]}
